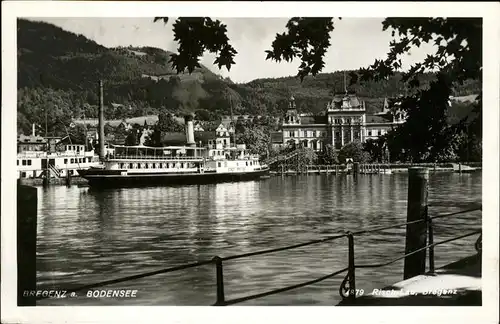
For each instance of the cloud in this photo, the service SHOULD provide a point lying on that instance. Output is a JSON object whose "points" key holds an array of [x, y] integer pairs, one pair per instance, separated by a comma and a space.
{"points": [[355, 42]]}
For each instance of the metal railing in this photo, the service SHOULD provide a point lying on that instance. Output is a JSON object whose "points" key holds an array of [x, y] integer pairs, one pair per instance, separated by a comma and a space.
{"points": [[347, 289]]}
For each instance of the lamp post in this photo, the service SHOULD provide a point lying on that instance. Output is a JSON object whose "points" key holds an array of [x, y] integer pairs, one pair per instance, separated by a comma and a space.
{"points": [[46, 121]]}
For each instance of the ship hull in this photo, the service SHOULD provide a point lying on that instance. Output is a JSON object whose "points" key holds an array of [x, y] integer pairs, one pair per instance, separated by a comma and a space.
{"points": [[108, 178]]}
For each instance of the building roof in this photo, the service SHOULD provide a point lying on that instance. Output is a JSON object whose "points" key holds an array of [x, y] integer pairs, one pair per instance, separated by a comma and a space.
{"points": [[70, 140], [149, 120], [227, 125], [314, 119], [377, 119], [456, 114], [204, 137], [31, 139], [276, 137], [173, 138]]}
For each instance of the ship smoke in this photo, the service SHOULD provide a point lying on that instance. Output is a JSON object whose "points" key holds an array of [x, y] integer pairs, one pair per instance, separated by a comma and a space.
{"points": [[188, 118]]}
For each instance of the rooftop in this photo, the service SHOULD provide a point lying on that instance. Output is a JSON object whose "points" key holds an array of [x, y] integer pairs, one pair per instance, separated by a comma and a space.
{"points": [[277, 137], [313, 119]]}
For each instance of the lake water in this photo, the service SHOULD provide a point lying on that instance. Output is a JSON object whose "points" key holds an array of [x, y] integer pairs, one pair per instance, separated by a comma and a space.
{"points": [[86, 236]]}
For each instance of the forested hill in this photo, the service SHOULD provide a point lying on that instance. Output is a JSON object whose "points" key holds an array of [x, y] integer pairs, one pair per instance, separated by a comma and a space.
{"points": [[59, 70]]}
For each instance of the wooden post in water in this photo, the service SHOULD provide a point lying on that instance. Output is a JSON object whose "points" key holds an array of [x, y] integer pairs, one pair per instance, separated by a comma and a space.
{"points": [[26, 244], [68, 178], [416, 234], [355, 168]]}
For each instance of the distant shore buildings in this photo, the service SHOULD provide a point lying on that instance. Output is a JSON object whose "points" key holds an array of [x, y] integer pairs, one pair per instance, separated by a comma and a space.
{"points": [[345, 120]]}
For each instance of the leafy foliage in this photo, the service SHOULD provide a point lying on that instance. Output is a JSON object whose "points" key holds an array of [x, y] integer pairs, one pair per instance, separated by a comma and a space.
{"points": [[58, 72], [305, 157], [166, 124], [307, 39]]}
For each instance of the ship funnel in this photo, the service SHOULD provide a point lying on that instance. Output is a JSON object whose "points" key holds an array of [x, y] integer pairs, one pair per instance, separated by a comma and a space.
{"points": [[189, 130]]}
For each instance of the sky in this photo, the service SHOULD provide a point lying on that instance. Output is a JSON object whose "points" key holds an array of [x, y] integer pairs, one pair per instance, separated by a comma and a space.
{"points": [[355, 42]]}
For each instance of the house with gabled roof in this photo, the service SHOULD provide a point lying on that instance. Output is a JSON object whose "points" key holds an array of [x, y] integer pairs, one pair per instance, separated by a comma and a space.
{"points": [[345, 120]]}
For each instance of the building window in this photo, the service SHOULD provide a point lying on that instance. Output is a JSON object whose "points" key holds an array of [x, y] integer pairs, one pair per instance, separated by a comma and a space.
{"points": [[24, 162], [23, 174], [246, 163], [17, 162], [369, 133], [138, 165], [218, 164]]}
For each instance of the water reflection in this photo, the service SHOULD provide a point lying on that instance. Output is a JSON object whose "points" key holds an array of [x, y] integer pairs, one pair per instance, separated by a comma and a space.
{"points": [[86, 235]]}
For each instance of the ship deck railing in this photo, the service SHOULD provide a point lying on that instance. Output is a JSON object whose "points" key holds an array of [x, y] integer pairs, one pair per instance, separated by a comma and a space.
{"points": [[347, 289]]}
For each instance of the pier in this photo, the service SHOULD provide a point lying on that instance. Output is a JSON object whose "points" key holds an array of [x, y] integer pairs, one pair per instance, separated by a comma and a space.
{"points": [[456, 284]]}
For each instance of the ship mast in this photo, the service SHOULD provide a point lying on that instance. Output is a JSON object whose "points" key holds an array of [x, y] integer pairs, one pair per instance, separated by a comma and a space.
{"points": [[345, 83], [101, 122]]}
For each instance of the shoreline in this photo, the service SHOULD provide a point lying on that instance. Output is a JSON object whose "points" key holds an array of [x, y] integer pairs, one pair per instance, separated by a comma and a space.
{"points": [[77, 180]]}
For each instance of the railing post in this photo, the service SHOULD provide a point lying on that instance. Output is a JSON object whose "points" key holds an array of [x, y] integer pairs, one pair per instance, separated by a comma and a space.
{"points": [[68, 178], [431, 241], [416, 234], [26, 244], [220, 281], [352, 267]]}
